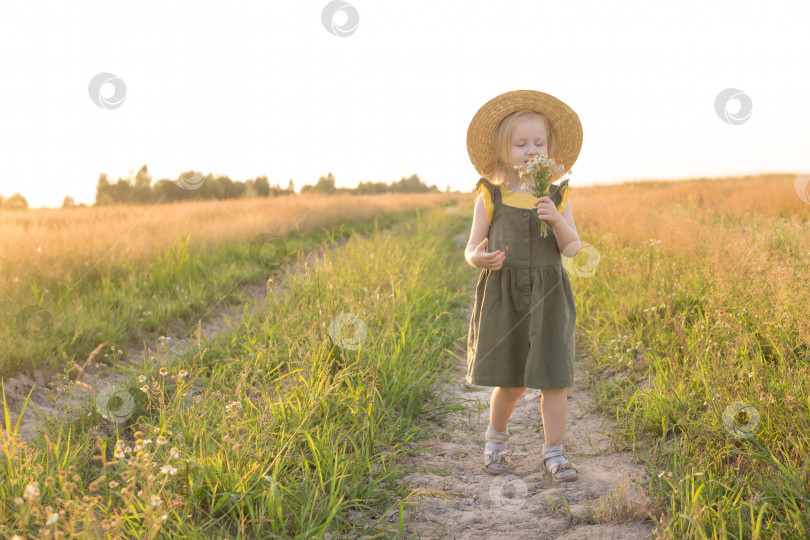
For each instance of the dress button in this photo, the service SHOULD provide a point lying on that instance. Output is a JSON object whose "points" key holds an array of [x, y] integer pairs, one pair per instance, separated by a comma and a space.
{"points": [[525, 213], [525, 240], [525, 263], [526, 289]]}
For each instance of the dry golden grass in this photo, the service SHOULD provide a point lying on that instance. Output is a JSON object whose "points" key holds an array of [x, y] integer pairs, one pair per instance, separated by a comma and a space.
{"points": [[52, 243], [631, 210], [748, 231]]}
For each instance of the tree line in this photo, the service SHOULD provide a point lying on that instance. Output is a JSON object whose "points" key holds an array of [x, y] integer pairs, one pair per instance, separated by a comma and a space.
{"points": [[194, 186]]}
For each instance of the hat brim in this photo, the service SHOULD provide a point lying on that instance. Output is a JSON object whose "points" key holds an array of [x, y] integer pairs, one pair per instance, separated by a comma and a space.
{"points": [[565, 121]]}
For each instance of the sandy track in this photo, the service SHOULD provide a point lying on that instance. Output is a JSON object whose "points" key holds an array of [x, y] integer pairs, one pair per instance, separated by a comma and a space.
{"points": [[79, 387], [525, 504]]}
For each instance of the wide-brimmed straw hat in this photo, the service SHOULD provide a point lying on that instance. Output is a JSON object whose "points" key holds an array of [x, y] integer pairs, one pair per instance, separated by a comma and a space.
{"points": [[564, 121]]}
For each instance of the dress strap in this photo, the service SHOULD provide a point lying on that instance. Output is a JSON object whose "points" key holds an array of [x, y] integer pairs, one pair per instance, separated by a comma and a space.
{"points": [[559, 194], [491, 196]]}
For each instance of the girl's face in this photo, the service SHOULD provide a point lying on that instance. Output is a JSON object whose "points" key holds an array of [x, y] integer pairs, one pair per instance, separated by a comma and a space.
{"points": [[529, 139]]}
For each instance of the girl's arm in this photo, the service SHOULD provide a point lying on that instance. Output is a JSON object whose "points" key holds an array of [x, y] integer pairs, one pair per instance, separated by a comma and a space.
{"points": [[566, 232], [476, 252]]}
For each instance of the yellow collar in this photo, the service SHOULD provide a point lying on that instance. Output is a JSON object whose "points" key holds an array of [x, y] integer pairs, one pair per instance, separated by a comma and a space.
{"points": [[518, 200]]}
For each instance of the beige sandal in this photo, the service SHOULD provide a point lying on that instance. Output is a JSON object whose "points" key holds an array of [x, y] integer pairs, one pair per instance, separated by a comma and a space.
{"points": [[496, 462], [560, 472]]}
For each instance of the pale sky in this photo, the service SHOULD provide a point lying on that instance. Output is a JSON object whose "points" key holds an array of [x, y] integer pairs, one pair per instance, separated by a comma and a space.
{"points": [[262, 88]]}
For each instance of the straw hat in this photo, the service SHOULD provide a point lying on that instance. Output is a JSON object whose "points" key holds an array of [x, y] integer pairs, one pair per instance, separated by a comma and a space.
{"points": [[564, 120]]}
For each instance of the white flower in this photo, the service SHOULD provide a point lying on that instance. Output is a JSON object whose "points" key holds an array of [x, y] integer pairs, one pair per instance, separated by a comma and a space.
{"points": [[31, 491], [155, 500], [52, 518], [168, 469], [174, 452]]}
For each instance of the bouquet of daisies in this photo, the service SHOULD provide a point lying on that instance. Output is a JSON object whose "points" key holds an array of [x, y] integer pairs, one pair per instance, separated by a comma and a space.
{"points": [[541, 169]]}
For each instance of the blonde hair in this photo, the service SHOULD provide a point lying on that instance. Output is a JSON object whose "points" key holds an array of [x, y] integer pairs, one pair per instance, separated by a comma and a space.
{"points": [[502, 141]]}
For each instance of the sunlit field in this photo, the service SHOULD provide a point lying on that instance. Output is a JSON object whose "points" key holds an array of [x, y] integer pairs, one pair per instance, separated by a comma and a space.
{"points": [[72, 278], [289, 425], [701, 301]]}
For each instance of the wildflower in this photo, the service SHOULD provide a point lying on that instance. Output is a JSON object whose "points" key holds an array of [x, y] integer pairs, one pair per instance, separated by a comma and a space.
{"points": [[141, 378], [174, 452], [168, 469], [52, 518], [182, 373], [49, 481], [155, 500], [118, 454], [161, 440], [113, 484], [163, 372], [540, 169], [31, 491], [144, 389]]}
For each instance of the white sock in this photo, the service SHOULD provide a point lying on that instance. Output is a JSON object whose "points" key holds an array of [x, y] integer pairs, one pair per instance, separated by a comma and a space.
{"points": [[495, 446], [556, 459]]}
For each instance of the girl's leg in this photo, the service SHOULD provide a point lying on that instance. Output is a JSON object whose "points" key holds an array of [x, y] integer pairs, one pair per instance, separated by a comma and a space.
{"points": [[554, 407], [502, 404]]}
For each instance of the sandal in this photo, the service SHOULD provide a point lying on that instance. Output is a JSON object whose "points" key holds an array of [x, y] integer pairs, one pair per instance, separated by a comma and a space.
{"points": [[496, 462], [560, 472]]}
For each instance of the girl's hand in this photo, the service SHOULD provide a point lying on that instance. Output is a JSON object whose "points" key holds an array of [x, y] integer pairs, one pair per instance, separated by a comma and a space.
{"points": [[547, 210], [482, 259]]}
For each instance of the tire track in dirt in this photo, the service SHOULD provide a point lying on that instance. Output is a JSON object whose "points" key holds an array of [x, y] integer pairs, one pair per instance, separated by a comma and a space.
{"points": [[457, 499], [94, 377]]}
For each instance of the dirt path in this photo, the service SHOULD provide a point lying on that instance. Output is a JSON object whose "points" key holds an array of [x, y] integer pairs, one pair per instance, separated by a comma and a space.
{"points": [[468, 503], [96, 378]]}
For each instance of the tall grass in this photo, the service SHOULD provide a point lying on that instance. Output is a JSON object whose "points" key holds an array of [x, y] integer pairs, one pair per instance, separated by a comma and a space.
{"points": [[701, 301], [280, 427], [72, 278]]}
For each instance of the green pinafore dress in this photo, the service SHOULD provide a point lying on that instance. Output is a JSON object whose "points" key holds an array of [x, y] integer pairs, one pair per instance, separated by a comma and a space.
{"points": [[522, 326]]}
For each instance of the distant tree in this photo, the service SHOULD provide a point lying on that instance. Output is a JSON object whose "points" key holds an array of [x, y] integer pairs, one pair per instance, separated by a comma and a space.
{"points": [[143, 178], [102, 190], [325, 184], [250, 191], [121, 190], [15, 202], [69, 202], [262, 186]]}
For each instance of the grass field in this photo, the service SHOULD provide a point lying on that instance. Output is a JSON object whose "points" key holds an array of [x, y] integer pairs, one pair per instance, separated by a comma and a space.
{"points": [[289, 425], [70, 279]]}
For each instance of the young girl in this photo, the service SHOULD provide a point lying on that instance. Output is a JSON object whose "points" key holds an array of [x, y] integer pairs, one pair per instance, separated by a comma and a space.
{"points": [[522, 327]]}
